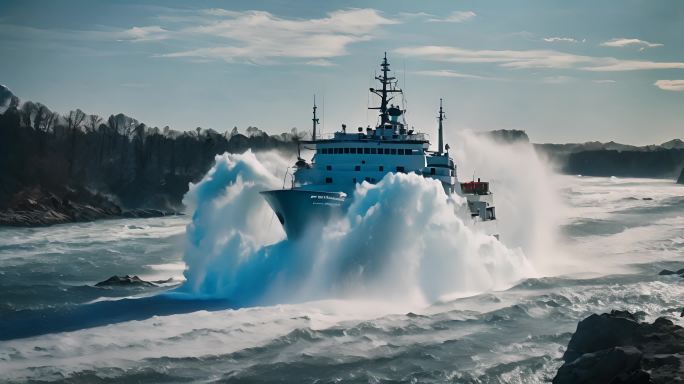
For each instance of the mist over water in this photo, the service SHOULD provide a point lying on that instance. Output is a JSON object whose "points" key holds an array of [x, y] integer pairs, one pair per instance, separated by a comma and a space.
{"points": [[526, 194], [402, 239]]}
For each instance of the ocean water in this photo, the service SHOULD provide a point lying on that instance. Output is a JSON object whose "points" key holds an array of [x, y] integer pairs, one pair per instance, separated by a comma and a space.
{"points": [[612, 238]]}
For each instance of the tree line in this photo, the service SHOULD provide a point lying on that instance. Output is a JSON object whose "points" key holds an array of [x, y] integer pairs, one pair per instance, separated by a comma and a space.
{"points": [[136, 165]]}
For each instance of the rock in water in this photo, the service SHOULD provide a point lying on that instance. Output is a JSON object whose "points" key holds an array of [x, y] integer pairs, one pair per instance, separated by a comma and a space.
{"points": [[681, 177], [125, 281], [617, 348]]}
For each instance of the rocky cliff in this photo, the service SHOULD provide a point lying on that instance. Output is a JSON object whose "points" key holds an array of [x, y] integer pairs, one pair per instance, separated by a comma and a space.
{"points": [[617, 348]]}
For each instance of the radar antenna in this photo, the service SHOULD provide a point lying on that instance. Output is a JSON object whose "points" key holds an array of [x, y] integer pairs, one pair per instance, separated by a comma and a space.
{"points": [[441, 117], [388, 86], [314, 120]]}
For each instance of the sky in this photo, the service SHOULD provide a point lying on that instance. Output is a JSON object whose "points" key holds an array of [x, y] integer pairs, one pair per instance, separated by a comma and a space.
{"points": [[562, 71]]}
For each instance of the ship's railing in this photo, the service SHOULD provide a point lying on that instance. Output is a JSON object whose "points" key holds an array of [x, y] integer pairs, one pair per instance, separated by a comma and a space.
{"points": [[364, 136]]}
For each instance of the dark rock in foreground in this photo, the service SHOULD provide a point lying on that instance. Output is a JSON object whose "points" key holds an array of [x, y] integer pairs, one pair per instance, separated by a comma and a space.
{"points": [[680, 180], [130, 281], [667, 272], [617, 348]]}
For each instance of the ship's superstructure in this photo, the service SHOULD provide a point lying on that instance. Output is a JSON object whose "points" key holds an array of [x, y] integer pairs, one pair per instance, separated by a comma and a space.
{"points": [[323, 187]]}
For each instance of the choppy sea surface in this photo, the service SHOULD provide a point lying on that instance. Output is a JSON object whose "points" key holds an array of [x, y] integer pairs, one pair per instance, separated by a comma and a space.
{"points": [[56, 326]]}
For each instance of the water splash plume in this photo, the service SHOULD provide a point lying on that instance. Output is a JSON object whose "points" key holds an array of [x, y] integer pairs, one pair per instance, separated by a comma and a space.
{"points": [[402, 239]]}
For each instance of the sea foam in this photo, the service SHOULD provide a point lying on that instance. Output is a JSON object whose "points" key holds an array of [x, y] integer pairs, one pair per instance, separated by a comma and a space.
{"points": [[402, 239]]}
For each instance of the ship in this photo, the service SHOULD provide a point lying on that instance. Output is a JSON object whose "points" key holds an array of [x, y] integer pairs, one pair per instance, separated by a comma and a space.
{"points": [[323, 188]]}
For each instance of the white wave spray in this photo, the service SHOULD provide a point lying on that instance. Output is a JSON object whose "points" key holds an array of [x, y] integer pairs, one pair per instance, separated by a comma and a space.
{"points": [[401, 240], [526, 195]]}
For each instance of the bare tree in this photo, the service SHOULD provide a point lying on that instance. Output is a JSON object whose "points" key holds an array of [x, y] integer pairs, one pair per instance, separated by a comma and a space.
{"points": [[49, 121], [74, 120], [254, 131], [125, 127], [93, 123], [28, 111]]}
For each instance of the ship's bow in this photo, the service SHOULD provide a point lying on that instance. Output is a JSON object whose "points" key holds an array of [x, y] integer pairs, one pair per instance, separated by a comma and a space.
{"points": [[298, 209]]}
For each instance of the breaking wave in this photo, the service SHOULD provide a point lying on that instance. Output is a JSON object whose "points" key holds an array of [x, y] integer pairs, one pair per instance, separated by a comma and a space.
{"points": [[402, 239]]}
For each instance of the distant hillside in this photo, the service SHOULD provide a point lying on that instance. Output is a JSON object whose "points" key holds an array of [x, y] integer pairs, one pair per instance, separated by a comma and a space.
{"points": [[673, 144], [561, 152], [115, 163], [507, 136], [661, 163], [615, 159]]}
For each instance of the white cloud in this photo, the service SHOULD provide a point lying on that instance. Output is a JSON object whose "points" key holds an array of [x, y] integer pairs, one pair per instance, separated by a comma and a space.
{"points": [[454, 17], [557, 79], [220, 12], [610, 64], [447, 73], [414, 15], [257, 35], [532, 59], [320, 63], [604, 81], [670, 85], [149, 33], [560, 40], [620, 43]]}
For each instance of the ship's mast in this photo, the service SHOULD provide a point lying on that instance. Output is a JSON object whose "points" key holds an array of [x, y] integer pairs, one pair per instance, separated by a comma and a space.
{"points": [[387, 88], [440, 146], [314, 120]]}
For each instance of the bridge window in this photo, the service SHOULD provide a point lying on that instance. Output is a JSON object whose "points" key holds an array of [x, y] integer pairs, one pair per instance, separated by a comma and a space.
{"points": [[346, 150], [400, 151], [354, 180], [374, 151], [336, 151], [401, 169], [366, 151], [432, 171], [381, 168], [328, 180], [352, 150], [328, 167], [393, 151], [357, 168]]}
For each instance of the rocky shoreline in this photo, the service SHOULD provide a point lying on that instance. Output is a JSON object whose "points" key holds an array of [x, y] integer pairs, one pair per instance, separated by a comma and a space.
{"points": [[618, 348], [35, 207]]}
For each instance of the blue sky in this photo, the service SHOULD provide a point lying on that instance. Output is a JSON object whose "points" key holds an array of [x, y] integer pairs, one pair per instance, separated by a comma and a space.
{"points": [[563, 71]]}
